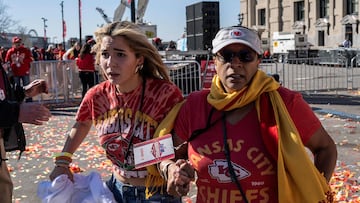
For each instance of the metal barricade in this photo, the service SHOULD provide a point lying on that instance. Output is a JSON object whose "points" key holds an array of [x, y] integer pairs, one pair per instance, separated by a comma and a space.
{"points": [[62, 78], [316, 74], [65, 86], [186, 75], [303, 75]]}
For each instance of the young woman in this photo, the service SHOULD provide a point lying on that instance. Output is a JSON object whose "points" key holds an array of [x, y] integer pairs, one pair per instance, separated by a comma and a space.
{"points": [[125, 109], [86, 66]]}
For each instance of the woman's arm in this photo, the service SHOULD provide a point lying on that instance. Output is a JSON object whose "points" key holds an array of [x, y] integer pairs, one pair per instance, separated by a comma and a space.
{"points": [[73, 141], [325, 152]]}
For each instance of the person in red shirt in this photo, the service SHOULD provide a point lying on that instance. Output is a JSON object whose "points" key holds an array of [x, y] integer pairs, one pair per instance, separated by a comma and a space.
{"points": [[19, 57], [60, 51], [246, 137], [86, 65], [125, 109]]}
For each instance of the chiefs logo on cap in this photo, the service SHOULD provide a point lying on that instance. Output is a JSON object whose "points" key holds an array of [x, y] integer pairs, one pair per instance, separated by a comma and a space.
{"points": [[236, 33]]}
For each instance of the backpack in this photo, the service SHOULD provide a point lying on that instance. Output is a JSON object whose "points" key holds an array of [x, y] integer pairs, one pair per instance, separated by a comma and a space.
{"points": [[14, 136]]}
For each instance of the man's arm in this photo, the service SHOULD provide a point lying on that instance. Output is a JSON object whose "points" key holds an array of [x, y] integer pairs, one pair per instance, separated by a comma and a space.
{"points": [[13, 112]]}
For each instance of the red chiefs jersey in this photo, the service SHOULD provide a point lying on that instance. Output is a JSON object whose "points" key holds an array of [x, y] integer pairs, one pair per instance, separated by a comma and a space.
{"points": [[254, 166], [118, 117], [20, 59]]}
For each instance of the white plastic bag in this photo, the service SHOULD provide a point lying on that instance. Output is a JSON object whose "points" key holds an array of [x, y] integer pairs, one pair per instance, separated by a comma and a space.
{"points": [[85, 189]]}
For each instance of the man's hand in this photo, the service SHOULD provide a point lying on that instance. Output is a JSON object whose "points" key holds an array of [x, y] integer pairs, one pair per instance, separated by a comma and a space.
{"points": [[33, 113], [36, 87]]}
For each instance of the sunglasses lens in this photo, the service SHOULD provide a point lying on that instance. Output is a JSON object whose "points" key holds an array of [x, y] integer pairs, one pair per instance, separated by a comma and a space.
{"points": [[228, 55], [243, 55]]}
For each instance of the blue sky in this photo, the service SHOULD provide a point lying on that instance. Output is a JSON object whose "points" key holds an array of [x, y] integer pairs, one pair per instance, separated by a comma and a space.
{"points": [[168, 15]]}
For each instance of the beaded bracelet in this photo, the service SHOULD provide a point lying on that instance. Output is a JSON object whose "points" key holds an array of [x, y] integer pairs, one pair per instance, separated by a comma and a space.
{"points": [[62, 165], [63, 159], [62, 162], [67, 154], [164, 170]]}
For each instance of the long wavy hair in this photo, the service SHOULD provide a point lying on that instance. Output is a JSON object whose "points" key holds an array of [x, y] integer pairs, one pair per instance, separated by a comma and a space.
{"points": [[85, 49], [153, 66]]}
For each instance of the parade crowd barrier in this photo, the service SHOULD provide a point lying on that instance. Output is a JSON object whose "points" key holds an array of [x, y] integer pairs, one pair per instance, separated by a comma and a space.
{"points": [[312, 75]]}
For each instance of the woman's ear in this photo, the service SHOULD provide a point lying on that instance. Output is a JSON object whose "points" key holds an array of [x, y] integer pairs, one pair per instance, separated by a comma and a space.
{"points": [[140, 60]]}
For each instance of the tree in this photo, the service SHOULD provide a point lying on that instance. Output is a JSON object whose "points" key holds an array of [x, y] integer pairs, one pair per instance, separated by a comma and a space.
{"points": [[6, 23]]}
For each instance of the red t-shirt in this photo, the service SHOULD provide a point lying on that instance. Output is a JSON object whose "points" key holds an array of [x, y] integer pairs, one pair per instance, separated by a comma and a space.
{"points": [[254, 165], [114, 115], [87, 63], [20, 59]]}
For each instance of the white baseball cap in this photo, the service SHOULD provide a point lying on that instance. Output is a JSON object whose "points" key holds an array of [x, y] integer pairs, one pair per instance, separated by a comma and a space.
{"points": [[237, 35]]}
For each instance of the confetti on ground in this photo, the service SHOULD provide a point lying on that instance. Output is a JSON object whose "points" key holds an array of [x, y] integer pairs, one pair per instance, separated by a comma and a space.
{"points": [[37, 161], [345, 185]]}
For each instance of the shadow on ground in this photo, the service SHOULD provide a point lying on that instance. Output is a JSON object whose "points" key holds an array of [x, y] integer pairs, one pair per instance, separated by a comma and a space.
{"points": [[334, 99]]}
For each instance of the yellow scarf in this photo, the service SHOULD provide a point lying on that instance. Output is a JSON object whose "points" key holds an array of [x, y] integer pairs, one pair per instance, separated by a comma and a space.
{"points": [[153, 179], [298, 179]]}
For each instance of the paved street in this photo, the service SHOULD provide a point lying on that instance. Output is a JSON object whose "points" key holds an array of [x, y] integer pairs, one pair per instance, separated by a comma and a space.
{"points": [[37, 162]]}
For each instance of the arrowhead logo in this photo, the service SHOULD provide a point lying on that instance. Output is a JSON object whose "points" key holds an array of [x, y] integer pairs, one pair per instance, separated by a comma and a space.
{"points": [[219, 170], [236, 33]]}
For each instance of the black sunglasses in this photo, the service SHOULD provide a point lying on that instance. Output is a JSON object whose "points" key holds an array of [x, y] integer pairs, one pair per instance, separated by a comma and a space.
{"points": [[244, 56]]}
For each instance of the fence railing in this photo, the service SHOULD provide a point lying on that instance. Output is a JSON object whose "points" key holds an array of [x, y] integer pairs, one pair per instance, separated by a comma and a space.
{"points": [[65, 86], [186, 75], [62, 78], [305, 75], [316, 74]]}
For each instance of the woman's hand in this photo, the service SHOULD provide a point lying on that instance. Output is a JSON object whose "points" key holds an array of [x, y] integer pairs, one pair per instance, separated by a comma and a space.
{"points": [[180, 174], [59, 170]]}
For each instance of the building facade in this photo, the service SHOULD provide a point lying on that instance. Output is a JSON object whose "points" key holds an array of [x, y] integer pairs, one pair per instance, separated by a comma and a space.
{"points": [[327, 23]]}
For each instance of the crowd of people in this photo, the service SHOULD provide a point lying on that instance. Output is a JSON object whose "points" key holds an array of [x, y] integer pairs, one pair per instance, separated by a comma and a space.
{"points": [[247, 142], [17, 60]]}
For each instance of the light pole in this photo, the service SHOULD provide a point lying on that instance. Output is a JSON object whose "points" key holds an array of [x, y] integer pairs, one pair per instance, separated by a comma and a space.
{"points": [[63, 23], [80, 26], [132, 8], [240, 18], [45, 26]]}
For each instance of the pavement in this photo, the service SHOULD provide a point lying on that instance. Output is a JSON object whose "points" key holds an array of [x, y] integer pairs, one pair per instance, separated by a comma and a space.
{"points": [[339, 113], [344, 104]]}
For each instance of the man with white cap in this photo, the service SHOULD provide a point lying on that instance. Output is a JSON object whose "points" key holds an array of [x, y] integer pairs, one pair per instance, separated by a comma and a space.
{"points": [[247, 140]]}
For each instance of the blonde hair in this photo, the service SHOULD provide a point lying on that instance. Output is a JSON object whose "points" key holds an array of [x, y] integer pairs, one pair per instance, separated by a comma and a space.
{"points": [[153, 66]]}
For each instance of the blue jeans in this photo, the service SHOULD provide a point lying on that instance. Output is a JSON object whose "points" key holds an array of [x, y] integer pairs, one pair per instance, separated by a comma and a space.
{"points": [[124, 193], [25, 81]]}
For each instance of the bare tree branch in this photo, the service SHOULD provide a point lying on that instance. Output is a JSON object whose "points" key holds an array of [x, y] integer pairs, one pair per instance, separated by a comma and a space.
{"points": [[7, 24]]}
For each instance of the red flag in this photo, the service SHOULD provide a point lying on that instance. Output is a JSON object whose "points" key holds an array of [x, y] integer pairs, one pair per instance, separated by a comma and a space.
{"points": [[64, 28]]}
